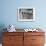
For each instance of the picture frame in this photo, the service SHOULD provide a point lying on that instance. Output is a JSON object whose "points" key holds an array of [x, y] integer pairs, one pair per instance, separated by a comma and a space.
{"points": [[26, 14]]}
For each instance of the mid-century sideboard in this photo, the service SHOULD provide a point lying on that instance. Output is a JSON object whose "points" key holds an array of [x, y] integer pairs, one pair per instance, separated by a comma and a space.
{"points": [[23, 38]]}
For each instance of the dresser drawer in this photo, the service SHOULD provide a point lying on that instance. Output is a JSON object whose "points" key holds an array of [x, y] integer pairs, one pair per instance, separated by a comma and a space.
{"points": [[12, 39], [13, 33], [37, 39], [37, 44], [34, 33], [13, 44]]}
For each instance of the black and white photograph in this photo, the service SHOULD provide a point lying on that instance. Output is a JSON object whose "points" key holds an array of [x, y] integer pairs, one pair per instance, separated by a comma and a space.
{"points": [[26, 14]]}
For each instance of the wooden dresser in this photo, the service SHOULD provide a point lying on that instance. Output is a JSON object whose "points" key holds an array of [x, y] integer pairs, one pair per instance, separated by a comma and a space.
{"points": [[23, 39]]}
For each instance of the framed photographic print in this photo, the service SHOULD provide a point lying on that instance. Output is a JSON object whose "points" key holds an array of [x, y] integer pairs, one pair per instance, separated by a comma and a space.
{"points": [[26, 14]]}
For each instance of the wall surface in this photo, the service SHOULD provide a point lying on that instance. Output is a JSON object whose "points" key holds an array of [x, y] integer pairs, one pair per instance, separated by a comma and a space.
{"points": [[8, 13]]}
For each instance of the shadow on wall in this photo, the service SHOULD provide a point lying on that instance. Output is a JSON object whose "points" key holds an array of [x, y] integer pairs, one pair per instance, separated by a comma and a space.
{"points": [[2, 26]]}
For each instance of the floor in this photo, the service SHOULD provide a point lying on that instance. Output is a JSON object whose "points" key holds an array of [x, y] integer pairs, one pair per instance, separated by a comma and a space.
{"points": [[0, 44]]}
